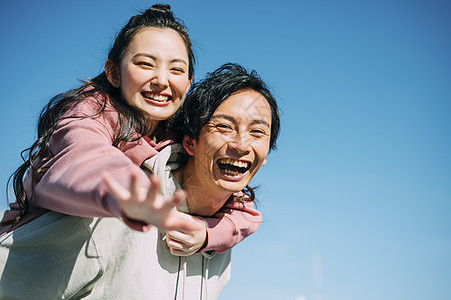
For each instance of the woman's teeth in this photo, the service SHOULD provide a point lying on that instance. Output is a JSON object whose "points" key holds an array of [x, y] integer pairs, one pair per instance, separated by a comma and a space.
{"points": [[159, 98]]}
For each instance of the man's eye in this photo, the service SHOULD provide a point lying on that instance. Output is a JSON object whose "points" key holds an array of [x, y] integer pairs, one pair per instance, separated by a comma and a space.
{"points": [[258, 132], [224, 127]]}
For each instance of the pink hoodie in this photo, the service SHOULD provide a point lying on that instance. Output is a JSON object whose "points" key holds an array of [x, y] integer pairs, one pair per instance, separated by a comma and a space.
{"points": [[72, 183]]}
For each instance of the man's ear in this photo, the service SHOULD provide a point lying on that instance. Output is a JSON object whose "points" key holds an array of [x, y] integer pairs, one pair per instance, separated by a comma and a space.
{"points": [[264, 162], [112, 73], [189, 144]]}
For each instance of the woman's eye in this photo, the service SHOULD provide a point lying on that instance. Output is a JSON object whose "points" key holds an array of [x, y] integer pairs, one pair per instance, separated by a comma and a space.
{"points": [[145, 64], [178, 70]]}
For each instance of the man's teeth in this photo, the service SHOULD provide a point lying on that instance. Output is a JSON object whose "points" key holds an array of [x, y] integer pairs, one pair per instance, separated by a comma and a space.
{"points": [[236, 163], [231, 172], [160, 98]]}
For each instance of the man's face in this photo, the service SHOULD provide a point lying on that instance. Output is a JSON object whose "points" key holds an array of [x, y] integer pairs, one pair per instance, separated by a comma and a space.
{"points": [[234, 144]]}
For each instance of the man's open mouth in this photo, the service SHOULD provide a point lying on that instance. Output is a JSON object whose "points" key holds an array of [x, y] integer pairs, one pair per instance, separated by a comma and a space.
{"points": [[233, 167]]}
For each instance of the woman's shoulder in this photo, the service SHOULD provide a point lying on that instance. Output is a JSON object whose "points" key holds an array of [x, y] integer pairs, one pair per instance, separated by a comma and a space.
{"points": [[91, 106], [92, 103]]}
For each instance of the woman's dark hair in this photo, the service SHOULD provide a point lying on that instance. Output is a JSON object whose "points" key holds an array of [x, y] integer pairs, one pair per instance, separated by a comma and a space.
{"points": [[206, 96], [130, 119]]}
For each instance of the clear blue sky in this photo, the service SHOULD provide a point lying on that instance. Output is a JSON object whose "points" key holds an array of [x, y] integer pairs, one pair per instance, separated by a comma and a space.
{"points": [[357, 199]]}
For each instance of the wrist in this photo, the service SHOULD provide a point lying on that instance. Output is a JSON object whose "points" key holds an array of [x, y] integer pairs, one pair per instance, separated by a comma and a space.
{"points": [[205, 243]]}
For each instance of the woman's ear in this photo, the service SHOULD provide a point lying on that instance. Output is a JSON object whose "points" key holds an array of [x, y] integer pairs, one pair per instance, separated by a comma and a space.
{"points": [[187, 89], [189, 144], [112, 73]]}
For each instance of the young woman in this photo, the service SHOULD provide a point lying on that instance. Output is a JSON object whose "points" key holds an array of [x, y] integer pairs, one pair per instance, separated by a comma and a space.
{"points": [[113, 123]]}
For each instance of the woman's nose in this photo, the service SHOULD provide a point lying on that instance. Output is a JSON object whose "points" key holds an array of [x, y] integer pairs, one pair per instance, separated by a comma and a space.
{"points": [[160, 78]]}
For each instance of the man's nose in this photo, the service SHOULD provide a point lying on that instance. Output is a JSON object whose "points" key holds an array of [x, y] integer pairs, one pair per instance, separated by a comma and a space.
{"points": [[240, 143]]}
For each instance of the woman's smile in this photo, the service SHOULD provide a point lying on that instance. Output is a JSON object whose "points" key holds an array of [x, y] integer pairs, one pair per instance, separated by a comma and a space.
{"points": [[156, 99]]}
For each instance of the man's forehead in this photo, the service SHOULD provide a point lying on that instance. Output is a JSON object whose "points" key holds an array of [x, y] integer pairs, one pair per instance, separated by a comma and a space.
{"points": [[254, 119]]}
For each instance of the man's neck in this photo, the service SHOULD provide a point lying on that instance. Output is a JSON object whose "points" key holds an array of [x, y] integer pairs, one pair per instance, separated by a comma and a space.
{"points": [[203, 199]]}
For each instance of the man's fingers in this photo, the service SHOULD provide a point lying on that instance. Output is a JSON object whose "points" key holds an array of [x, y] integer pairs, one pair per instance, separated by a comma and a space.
{"points": [[175, 245], [177, 235], [179, 253], [179, 249]]}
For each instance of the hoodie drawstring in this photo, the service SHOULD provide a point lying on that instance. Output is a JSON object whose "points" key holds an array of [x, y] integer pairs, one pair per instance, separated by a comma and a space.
{"points": [[204, 278], [178, 277], [177, 281]]}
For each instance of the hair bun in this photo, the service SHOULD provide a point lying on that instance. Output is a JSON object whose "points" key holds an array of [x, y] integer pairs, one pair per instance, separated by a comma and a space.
{"points": [[160, 7]]}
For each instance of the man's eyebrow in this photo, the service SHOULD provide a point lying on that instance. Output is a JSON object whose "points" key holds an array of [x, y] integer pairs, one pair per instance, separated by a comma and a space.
{"points": [[260, 121], [232, 119], [181, 60], [227, 117]]}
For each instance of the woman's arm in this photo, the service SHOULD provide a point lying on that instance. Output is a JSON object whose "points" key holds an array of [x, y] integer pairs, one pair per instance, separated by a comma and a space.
{"points": [[82, 150], [233, 223], [73, 183]]}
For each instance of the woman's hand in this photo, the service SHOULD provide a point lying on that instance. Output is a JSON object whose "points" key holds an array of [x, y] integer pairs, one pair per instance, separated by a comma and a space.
{"points": [[184, 243], [148, 205]]}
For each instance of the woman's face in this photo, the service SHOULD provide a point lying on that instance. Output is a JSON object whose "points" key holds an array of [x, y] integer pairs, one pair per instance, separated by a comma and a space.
{"points": [[235, 142], [154, 72]]}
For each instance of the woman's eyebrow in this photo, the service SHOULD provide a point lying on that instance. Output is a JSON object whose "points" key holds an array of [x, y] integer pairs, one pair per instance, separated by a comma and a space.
{"points": [[146, 55], [175, 60], [233, 119]]}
